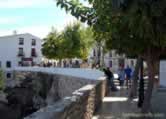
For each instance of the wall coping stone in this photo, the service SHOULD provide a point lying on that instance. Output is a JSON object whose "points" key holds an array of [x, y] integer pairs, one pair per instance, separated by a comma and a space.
{"points": [[92, 74]]}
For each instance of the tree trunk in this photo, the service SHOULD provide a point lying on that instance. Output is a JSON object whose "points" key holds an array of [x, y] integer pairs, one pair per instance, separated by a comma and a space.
{"points": [[151, 62], [99, 55], [133, 91], [141, 86], [102, 57], [60, 62]]}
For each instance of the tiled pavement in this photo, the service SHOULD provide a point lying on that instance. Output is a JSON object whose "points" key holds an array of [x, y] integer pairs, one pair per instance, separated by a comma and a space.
{"points": [[117, 106]]}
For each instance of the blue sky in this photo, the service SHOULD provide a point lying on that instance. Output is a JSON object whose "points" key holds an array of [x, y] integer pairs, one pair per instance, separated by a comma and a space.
{"points": [[32, 16]]}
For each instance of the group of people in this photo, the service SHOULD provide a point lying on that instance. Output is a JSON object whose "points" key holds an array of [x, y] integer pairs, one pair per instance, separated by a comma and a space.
{"points": [[124, 74]]}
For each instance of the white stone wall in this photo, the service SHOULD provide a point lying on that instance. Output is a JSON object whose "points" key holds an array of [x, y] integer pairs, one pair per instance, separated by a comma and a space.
{"points": [[163, 73], [91, 74]]}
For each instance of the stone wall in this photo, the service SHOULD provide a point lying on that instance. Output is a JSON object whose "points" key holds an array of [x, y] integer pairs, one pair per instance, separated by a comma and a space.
{"points": [[53, 86], [68, 97], [158, 103], [81, 105]]}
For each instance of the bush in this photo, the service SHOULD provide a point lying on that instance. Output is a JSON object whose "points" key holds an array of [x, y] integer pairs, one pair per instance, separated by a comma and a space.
{"points": [[1, 80]]}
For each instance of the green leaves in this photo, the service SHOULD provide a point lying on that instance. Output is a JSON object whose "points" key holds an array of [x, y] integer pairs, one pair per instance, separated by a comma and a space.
{"points": [[144, 20], [77, 9], [52, 45], [73, 42], [2, 80]]}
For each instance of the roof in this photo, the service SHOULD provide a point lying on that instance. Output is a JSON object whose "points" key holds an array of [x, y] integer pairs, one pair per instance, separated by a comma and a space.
{"points": [[14, 35]]}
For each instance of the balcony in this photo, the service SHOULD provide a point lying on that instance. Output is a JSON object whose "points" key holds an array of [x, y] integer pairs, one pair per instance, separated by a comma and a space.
{"points": [[20, 55], [34, 54]]}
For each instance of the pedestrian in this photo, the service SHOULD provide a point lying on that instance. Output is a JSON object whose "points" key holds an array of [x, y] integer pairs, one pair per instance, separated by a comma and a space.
{"points": [[110, 78], [128, 73], [121, 74], [132, 68]]}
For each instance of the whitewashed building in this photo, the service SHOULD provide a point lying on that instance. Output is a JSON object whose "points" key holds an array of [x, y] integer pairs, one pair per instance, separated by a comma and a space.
{"points": [[114, 60], [19, 50], [111, 59]]}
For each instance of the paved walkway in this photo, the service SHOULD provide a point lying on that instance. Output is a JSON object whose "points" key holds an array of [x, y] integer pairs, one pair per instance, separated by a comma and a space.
{"points": [[117, 106]]}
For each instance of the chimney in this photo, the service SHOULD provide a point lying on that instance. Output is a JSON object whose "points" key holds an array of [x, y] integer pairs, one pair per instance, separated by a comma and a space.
{"points": [[15, 32]]}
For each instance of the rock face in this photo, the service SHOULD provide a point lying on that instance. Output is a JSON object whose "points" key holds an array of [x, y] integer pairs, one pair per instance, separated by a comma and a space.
{"points": [[24, 99], [3, 97], [36, 91], [9, 112]]}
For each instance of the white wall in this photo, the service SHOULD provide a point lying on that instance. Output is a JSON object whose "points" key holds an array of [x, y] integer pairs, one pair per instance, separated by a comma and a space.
{"points": [[115, 59], [75, 72], [9, 47], [163, 73]]}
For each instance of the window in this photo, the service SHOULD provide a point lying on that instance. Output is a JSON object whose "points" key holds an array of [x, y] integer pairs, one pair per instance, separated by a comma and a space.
{"points": [[33, 42], [94, 53], [21, 41], [8, 64], [33, 52], [110, 63], [8, 75], [20, 63], [132, 63], [110, 53], [20, 52]]}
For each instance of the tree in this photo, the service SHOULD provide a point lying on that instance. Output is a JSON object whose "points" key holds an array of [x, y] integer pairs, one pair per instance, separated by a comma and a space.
{"points": [[136, 27], [52, 46], [73, 42], [2, 78], [133, 91], [77, 41]]}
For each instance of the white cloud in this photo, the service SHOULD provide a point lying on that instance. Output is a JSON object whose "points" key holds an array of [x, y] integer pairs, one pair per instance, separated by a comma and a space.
{"points": [[39, 30], [23, 3], [86, 3], [9, 20], [42, 30]]}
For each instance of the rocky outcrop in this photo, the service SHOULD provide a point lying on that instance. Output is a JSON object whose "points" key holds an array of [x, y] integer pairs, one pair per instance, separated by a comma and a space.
{"points": [[28, 97], [9, 112], [53, 96], [81, 105]]}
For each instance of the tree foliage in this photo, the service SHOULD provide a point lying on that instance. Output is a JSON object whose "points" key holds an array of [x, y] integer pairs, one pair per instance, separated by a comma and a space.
{"points": [[52, 46], [123, 20], [73, 42], [136, 27], [2, 78]]}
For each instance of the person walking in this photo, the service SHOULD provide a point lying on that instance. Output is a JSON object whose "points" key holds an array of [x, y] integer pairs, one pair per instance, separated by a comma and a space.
{"points": [[128, 73], [121, 74]]}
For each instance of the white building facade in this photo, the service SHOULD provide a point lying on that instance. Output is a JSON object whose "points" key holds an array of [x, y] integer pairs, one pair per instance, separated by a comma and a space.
{"points": [[114, 60], [19, 50], [111, 59]]}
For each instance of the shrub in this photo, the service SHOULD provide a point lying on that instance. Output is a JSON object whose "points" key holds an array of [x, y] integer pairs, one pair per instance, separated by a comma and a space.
{"points": [[1, 79]]}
